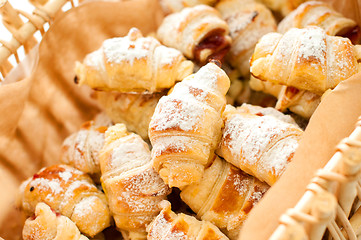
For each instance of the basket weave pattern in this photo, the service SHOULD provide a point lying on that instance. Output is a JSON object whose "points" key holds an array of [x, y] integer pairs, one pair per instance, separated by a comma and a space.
{"points": [[331, 201], [23, 33]]}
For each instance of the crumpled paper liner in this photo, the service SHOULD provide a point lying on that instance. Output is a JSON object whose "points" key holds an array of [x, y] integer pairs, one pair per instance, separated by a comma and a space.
{"points": [[40, 109]]}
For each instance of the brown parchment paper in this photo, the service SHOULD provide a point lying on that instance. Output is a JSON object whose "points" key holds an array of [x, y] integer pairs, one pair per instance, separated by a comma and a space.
{"points": [[39, 110], [333, 120]]}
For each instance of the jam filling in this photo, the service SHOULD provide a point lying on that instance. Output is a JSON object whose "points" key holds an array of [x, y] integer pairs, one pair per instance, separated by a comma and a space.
{"points": [[214, 41]]}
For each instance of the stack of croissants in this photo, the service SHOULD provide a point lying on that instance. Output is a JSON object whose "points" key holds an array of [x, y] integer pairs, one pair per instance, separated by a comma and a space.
{"points": [[182, 129]]}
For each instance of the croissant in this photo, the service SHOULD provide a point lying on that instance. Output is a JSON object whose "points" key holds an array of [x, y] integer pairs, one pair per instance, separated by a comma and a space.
{"points": [[133, 188], [81, 149], [198, 32], [307, 59], [224, 196], [171, 6], [261, 146], [248, 22], [71, 193], [133, 109], [169, 225], [186, 126], [322, 15], [282, 7], [132, 64], [47, 224], [301, 102]]}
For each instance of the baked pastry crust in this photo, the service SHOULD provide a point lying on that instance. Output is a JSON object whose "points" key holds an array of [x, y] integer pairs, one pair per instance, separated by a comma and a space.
{"points": [[133, 188], [186, 126], [132, 64], [70, 192], [47, 224], [169, 225], [133, 109], [321, 14], [301, 102], [248, 22], [307, 59], [198, 32], [261, 146], [81, 149], [224, 196]]}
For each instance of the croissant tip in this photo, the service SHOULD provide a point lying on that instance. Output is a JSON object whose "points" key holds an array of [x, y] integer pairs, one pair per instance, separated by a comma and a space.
{"points": [[216, 61]]}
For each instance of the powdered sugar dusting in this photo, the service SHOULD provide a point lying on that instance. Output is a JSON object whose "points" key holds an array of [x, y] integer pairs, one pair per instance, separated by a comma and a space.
{"points": [[189, 92], [160, 227], [268, 111], [249, 38], [82, 149], [286, 45], [177, 113], [147, 182], [240, 184], [121, 49], [239, 21], [69, 194], [53, 185], [341, 63], [142, 191], [174, 144], [312, 44], [256, 196], [206, 78], [130, 152], [65, 175], [279, 156], [185, 106], [167, 55], [249, 138], [163, 228], [85, 206], [94, 59]]}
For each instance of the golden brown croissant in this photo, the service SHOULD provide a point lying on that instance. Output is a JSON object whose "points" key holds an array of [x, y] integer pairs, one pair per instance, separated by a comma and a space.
{"points": [[307, 59], [198, 32], [283, 7], [133, 188], [321, 14], [248, 22], [186, 126], [224, 196], [261, 146], [70, 192], [171, 6], [133, 109], [47, 224], [132, 64], [169, 225], [81, 149], [301, 102]]}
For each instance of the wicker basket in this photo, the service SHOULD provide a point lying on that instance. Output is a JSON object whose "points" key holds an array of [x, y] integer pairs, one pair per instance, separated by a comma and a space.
{"points": [[330, 206], [331, 200]]}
